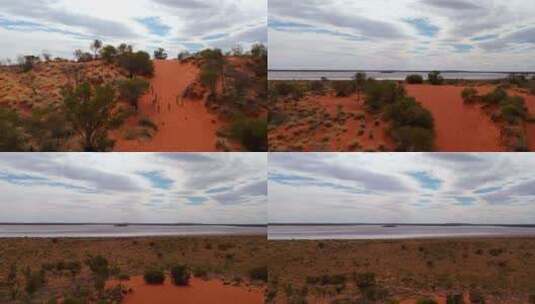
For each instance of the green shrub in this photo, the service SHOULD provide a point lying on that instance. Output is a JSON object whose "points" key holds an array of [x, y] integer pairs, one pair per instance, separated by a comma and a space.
{"points": [[132, 89], [180, 275], [412, 139], [381, 93], [108, 53], [160, 54], [154, 277], [455, 299], [343, 88], [496, 96], [435, 78], [259, 273], [148, 123], [138, 63], [365, 280], [11, 135], [98, 265], [251, 133], [317, 87], [414, 79], [426, 301], [34, 281], [469, 95], [513, 109], [288, 89], [408, 112]]}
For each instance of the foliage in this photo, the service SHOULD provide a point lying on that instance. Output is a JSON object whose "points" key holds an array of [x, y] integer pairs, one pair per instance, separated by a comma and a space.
{"points": [[381, 93], [108, 53], [180, 275], [251, 133], [96, 46], [414, 79], [343, 87], [183, 55], [27, 63], [160, 54], [259, 273], [469, 95], [513, 109], [435, 78], [11, 136], [92, 114], [48, 129], [496, 96], [132, 89], [136, 63], [154, 277]]}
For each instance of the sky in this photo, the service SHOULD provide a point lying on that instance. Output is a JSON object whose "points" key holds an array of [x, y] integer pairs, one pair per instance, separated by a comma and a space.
{"points": [[484, 188], [61, 26], [476, 35], [209, 188]]}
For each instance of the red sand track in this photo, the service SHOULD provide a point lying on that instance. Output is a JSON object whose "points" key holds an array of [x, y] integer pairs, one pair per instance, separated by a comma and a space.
{"points": [[183, 126], [198, 292], [459, 127]]}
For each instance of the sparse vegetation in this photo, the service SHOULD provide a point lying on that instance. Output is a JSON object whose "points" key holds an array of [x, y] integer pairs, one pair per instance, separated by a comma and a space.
{"points": [[414, 79], [132, 89], [435, 78], [251, 133], [160, 54], [154, 277], [180, 275]]}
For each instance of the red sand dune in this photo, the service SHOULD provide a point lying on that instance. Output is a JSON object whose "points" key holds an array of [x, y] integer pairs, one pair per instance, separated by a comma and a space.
{"points": [[198, 292], [459, 127], [184, 125]]}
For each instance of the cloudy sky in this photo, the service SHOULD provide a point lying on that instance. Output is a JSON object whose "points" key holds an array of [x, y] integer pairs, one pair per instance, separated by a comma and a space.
{"points": [[402, 34], [402, 188], [133, 187], [60, 26]]}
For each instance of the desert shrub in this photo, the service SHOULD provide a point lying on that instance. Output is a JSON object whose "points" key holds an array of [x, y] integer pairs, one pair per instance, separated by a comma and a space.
{"points": [[154, 277], [11, 134], [317, 87], [82, 56], [496, 96], [343, 87], [27, 63], [426, 301], [381, 93], [455, 299], [92, 113], [495, 251], [251, 133], [365, 279], [513, 109], [435, 78], [408, 112], [132, 89], [517, 79], [138, 63], [108, 53], [160, 54], [98, 265], [180, 275], [414, 79], [259, 273], [410, 138], [476, 297], [469, 95], [123, 277], [48, 129], [148, 123], [183, 55], [288, 89], [73, 301], [208, 77], [34, 280]]}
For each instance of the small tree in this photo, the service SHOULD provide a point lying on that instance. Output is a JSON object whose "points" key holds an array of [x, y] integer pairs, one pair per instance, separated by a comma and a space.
{"points": [[132, 89], [138, 63], [360, 82], [208, 77], [469, 95], [108, 53], [414, 79], [160, 54], [183, 55], [154, 277], [124, 48], [92, 114], [435, 78], [95, 47], [27, 62]]}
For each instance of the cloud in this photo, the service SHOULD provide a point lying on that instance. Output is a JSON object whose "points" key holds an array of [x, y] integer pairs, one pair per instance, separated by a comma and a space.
{"points": [[426, 188], [133, 187]]}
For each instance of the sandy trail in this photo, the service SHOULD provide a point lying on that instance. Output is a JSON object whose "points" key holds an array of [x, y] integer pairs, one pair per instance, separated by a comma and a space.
{"points": [[198, 292], [459, 127], [183, 125]]}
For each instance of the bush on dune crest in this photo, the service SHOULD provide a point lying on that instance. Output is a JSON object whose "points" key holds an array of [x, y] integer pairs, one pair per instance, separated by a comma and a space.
{"points": [[414, 79]]}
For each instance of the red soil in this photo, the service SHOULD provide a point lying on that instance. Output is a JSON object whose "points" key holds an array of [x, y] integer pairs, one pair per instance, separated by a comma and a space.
{"points": [[198, 292], [459, 127], [183, 125]]}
